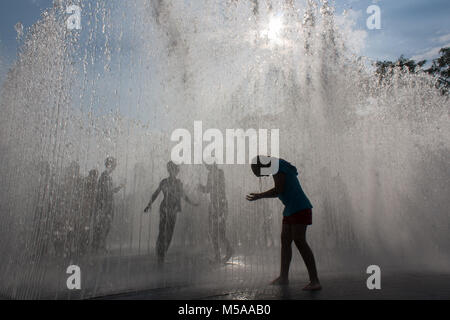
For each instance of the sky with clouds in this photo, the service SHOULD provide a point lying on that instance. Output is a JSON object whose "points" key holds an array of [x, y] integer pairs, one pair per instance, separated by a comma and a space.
{"points": [[415, 28]]}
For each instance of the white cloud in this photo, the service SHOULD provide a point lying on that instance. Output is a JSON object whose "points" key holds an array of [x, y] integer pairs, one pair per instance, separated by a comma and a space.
{"points": [[431, 53], [442, 39]]}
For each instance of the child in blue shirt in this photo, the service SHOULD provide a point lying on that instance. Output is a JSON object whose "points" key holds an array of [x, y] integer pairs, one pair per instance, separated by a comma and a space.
{"points": [[297, 215]]}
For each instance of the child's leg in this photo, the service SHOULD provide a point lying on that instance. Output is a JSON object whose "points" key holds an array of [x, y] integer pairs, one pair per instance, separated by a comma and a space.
{"points": [[286, 250], [299, 235], [161, 241], [286, 254], [214, 234], [223, 238], [171, 222]]}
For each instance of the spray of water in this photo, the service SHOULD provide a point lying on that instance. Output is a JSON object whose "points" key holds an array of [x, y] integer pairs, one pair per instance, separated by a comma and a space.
{"points": [[373, 155]]}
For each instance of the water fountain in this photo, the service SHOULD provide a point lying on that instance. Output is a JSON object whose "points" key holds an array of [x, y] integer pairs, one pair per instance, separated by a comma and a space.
{"points": [[373, 154]]}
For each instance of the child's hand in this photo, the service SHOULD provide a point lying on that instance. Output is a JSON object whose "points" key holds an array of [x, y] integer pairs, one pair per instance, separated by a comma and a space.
{"points": [[253, 197], [148, 209]]}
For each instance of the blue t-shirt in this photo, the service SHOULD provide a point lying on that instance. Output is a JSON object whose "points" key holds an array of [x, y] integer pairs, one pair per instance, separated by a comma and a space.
{"points": [[293, 197]]}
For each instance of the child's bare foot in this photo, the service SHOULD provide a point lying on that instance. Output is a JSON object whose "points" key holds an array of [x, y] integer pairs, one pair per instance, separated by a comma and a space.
{"points": [[280, 281], [313, 286]]}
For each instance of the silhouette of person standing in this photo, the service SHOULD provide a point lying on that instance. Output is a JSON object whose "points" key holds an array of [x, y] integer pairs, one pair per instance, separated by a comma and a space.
{"points": [[218, 211], [172, 189], [84, 225], [105, 205], [297, 215]]}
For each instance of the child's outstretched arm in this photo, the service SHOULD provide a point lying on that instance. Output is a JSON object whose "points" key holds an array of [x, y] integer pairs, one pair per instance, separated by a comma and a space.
{"points": [[188, 200], [280, 180], [120, 187], [154, 197], [207, 188]]}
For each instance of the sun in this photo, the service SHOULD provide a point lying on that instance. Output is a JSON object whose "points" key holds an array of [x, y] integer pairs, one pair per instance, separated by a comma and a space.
{"points": [[274, 29]]}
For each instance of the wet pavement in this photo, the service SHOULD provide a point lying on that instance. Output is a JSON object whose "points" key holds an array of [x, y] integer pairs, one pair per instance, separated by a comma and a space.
{"points": [[191, 276], [404, 286]]}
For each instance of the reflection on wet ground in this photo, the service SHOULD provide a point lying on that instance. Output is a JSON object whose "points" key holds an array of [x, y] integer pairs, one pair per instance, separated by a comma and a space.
{"points": [[395, 286], [191, 276]]}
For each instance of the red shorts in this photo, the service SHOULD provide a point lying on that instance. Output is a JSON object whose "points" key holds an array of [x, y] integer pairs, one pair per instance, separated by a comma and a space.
{"points": [[302, 217]]}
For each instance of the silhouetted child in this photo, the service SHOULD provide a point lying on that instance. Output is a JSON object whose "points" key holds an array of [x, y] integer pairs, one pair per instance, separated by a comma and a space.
{"points": [[297, 215], [218, 211], [104, 214], [85, 223], [172, 189]]}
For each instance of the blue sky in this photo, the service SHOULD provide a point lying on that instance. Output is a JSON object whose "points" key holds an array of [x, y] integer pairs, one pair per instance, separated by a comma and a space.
{"points": [[415, 28]]}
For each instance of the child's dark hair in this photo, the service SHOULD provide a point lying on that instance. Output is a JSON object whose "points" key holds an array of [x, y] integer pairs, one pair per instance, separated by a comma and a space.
{"points": [[172, 167], [257, 165]]}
